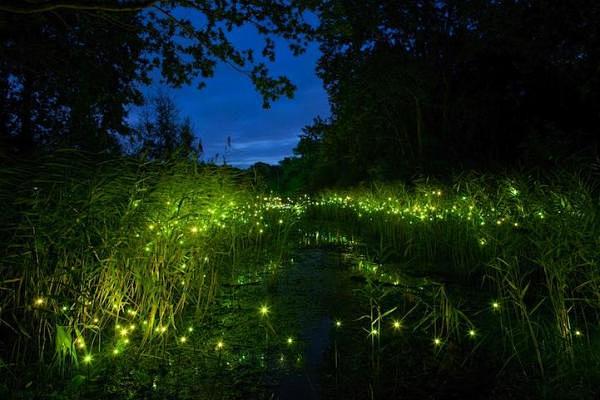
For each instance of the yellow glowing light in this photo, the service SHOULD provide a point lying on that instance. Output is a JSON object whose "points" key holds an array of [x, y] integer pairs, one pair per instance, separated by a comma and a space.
{"points": [[87, 358], [578, 333], [264, 310], [220, 345], [374, 332], [338, 324], [183, 339], [116, 352], [161, 329], [397, 324], [40, 301], [496, 305], [194, 229], [472, 333], [190, 329], [437, 341], [290, 340]]}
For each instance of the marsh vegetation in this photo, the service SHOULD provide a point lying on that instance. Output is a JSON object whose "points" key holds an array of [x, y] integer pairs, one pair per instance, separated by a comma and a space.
{"points": [[152, 279]]}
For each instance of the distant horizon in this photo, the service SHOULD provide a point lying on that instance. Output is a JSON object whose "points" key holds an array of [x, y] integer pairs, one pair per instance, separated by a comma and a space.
{"points": [[230, 107]]}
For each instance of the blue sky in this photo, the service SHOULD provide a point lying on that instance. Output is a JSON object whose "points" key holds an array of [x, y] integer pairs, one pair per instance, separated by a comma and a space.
{"points": [[229, 106]]}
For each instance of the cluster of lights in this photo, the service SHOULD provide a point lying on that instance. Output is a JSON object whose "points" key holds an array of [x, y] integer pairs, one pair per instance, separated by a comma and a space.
{"points": [[272, 212]]}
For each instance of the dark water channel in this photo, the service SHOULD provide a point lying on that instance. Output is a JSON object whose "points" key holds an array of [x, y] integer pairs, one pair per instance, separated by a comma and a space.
{"points": [[312, 289]]}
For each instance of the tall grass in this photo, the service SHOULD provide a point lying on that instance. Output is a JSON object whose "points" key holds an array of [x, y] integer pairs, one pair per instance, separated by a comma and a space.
{"points": [[529, 245], [97, 251]]}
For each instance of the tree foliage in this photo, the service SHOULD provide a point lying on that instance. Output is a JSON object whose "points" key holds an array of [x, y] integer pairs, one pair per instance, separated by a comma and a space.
{"points": [[429, 85], [69, 69]]}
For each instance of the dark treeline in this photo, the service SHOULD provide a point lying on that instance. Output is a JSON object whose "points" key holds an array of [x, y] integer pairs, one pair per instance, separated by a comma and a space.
{"points": [[70, 71], [432, 87], [424, 87]]}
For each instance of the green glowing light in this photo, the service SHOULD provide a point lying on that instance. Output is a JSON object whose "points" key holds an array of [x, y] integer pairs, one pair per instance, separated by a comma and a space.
{"points": [[87, 358], [264, 310], [290, 341]]}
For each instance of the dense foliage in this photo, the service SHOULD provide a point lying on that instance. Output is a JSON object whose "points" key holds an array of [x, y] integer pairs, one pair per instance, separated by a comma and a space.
{"points": [[69, 70], [436, 86]]}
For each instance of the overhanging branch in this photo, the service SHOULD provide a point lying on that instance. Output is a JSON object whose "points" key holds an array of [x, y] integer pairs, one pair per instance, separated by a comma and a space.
{"points": [[28, 7]]}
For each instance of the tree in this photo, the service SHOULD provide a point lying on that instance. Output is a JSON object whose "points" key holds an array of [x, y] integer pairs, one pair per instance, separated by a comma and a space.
{"points": [[70, 67], [66, 80], [162, 134], [429, 86]]}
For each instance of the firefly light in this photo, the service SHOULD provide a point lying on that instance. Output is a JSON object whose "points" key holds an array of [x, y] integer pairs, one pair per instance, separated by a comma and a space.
{"points": [[290, 340], [397, 325], [264, 310], [87, 358]]}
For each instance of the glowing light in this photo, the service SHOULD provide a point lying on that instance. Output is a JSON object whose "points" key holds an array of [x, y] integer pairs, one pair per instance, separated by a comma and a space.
{"points": [[496, 305], [183, 339], [338, 324], [472, 333], [397, 325], [374, 332], [578, 333], [220, 345], [161, 329], [194, 229], [264, 310], [87, 358], [115, 352], [290, 341], [437, 341], [40, 301], [190, 329]]}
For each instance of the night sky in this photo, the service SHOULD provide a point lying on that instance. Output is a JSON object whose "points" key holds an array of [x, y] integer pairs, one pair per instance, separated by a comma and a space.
{"points": [[230, 107]]}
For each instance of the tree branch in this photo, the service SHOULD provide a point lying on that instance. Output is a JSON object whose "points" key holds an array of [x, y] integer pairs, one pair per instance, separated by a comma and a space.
{"points": [[23, 7]]}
